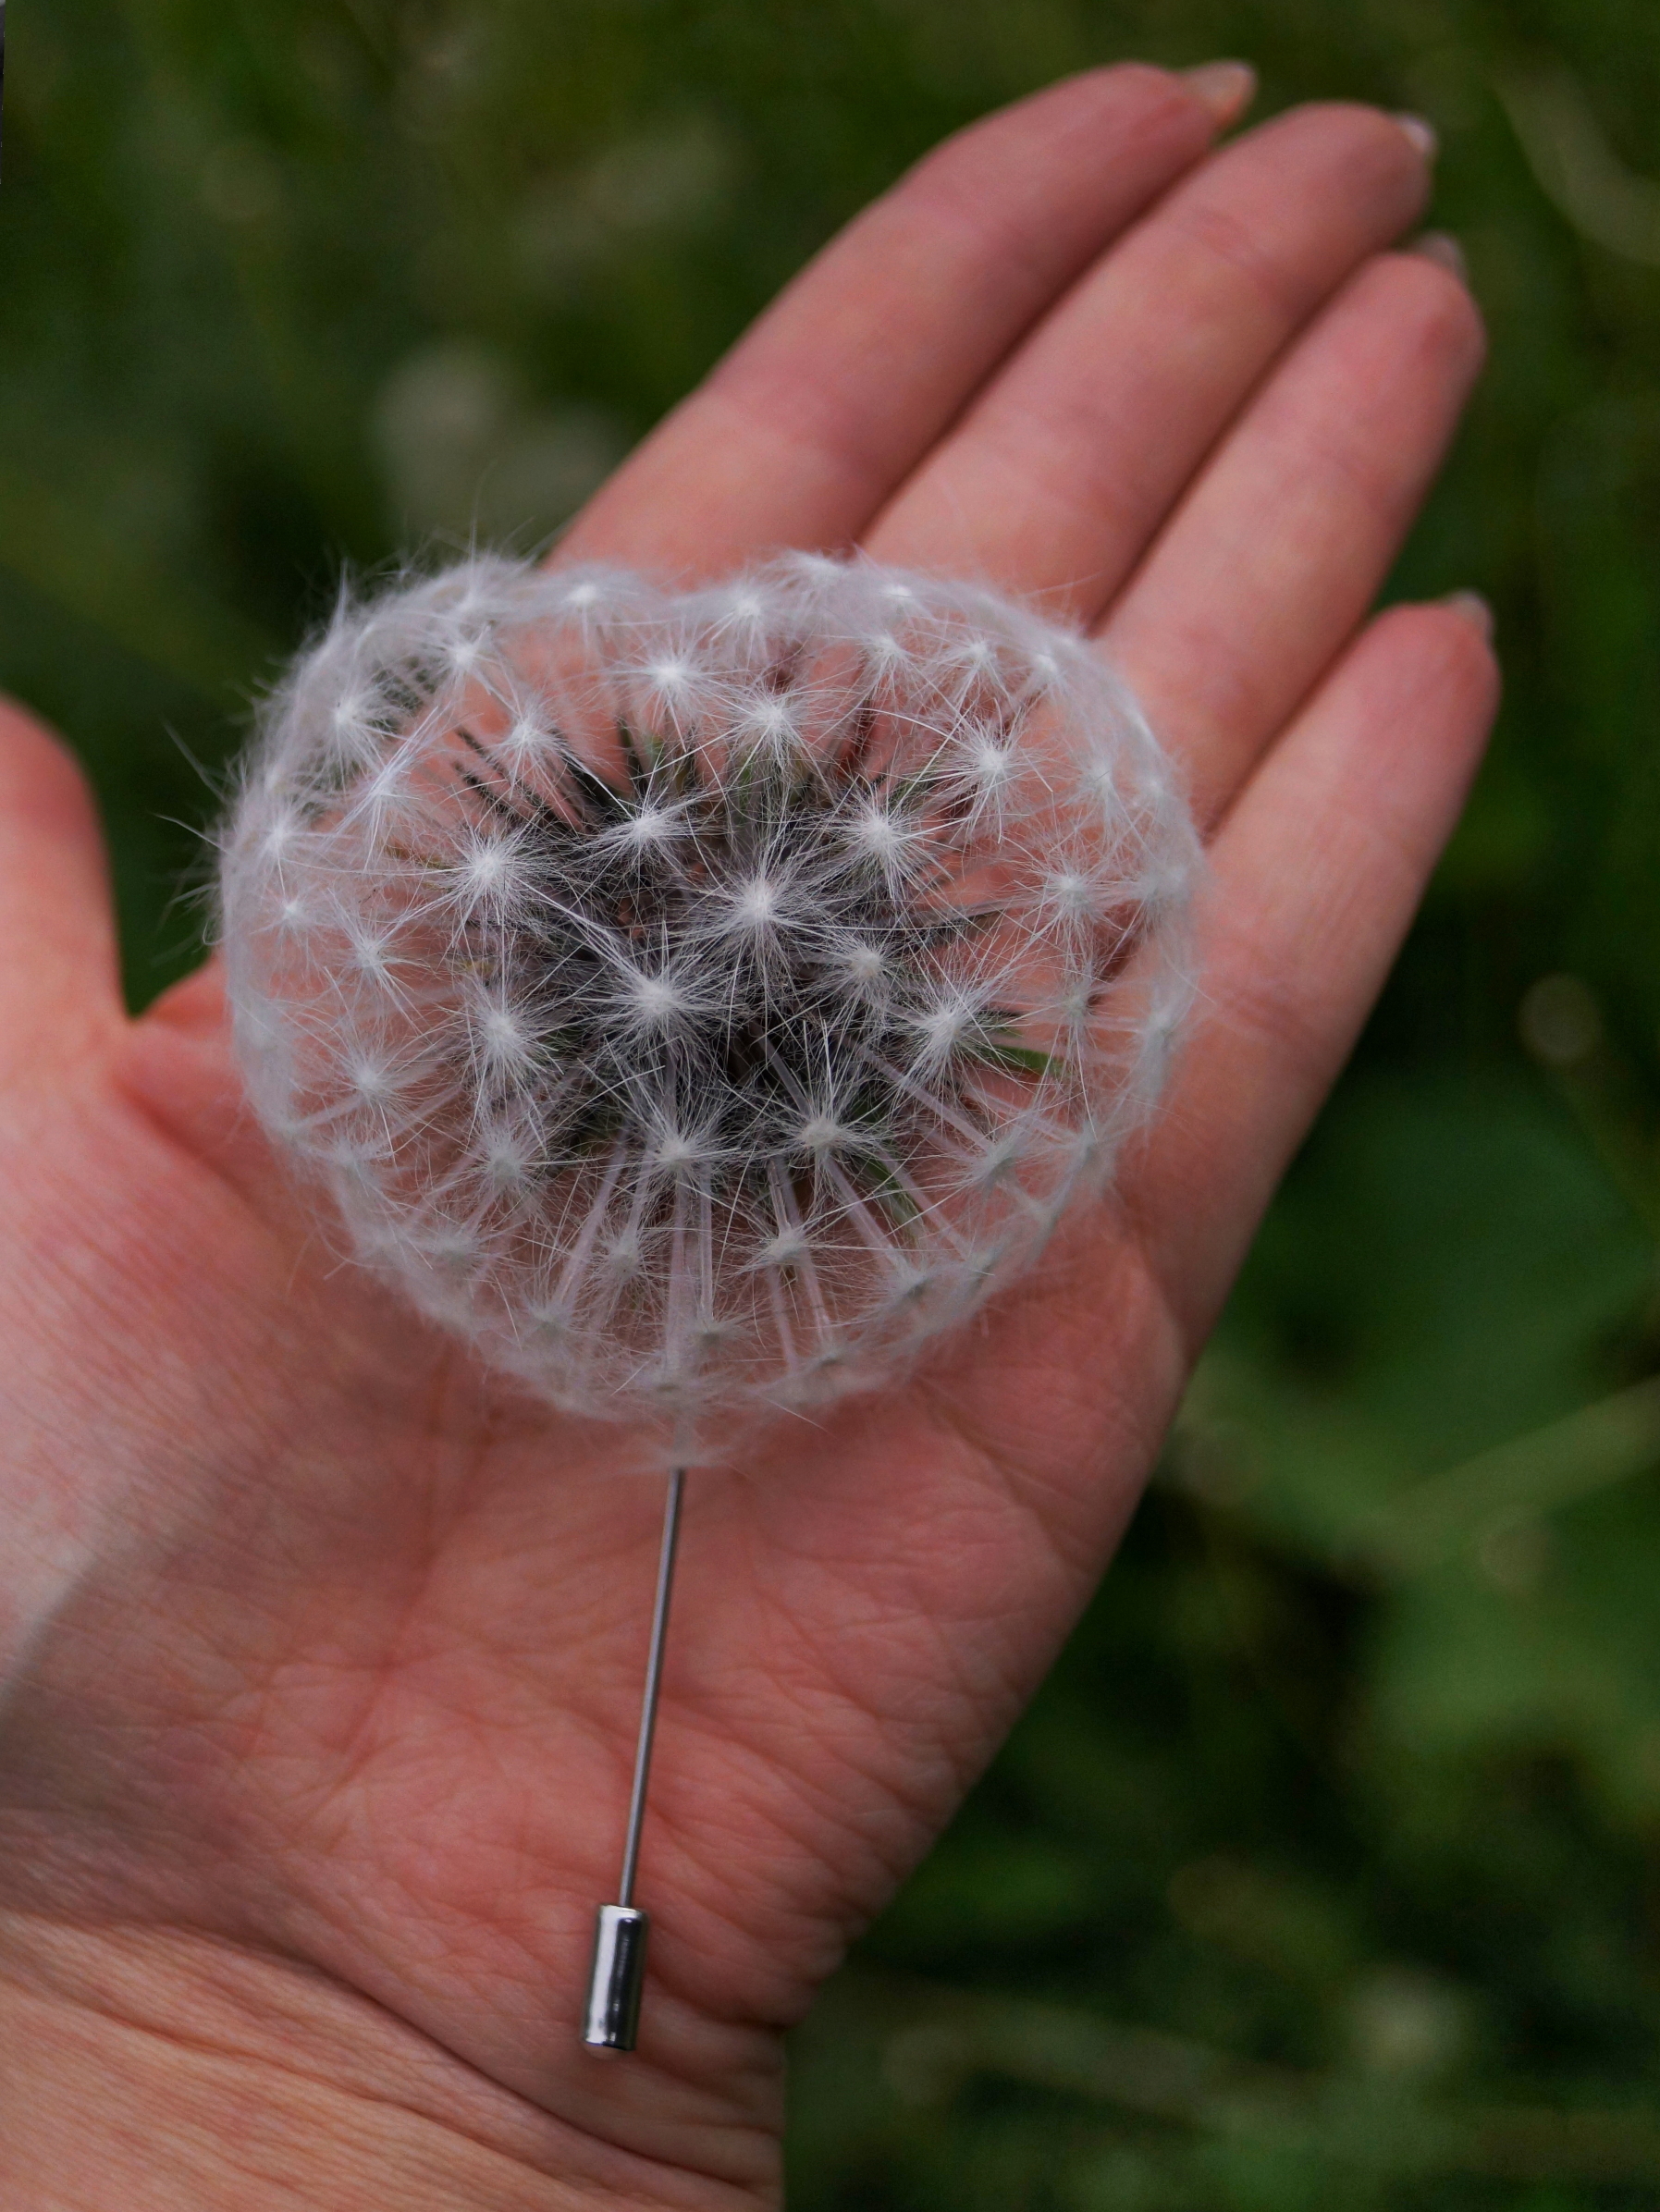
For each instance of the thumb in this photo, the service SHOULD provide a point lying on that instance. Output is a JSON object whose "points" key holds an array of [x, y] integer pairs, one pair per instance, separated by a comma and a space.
{"points": [[59, 982]]}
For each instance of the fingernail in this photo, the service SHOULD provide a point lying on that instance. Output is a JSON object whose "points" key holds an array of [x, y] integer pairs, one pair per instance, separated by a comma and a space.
{"points": [[1227, 88], [1444, 250], [1474, 610], [1423, 135]]}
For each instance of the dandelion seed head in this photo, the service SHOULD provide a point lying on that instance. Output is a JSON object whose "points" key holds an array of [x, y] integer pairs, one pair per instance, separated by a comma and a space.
{"points": [[645, 830], [506, 1154], [451, 1249], [655, 1000], [523, 741], [876, 830], [624, 1256], [865, 963], [370, 1080], [672, 675], [465, 650], [676, 1150], [371, 951], [990, 760], [823, 1133], [486, 871], [769, 722], [505, 1038], [756, 903], [699, 1002], [281, 829], [788, 1248], [941, 1028], [1071, 892]]}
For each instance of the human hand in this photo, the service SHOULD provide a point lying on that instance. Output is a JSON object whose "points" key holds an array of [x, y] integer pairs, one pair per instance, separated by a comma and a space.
{"points": [[322, 1649]]}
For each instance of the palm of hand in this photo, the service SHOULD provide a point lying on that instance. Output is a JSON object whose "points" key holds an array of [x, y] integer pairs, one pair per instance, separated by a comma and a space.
{"points": [[323, 1647]]}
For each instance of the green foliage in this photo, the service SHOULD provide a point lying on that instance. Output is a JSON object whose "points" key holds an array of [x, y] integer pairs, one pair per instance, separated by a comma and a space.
{"points": [[1324, 1871]]}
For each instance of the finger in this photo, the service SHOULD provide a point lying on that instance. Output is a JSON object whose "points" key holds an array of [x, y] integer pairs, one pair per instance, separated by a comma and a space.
{"points": [[1062, 469], [804, 428], [196, 1004], [1271, 563], [59, 984], [1318, 872]]}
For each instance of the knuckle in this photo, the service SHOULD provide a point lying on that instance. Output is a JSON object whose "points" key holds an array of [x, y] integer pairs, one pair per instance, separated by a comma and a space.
{"points": [[1276, 1012], [1242, 248]]}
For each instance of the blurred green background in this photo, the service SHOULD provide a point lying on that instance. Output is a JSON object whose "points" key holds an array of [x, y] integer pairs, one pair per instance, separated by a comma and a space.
{"points": [[1326, 1871]]}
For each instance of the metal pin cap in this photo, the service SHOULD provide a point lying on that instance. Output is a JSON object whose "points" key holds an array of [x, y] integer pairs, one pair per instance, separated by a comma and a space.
{"points": [[612, 2020]]}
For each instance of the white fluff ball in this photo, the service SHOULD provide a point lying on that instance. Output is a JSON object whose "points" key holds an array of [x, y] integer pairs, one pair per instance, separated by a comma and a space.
{"points": [[697, 1001]]}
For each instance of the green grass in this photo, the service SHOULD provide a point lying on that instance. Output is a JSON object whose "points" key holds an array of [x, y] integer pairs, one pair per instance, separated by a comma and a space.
{"points": [[1324, 1872]]}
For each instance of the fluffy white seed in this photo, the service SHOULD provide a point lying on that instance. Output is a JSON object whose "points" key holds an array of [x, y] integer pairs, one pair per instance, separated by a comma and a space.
{"points": [[700, 1002]]}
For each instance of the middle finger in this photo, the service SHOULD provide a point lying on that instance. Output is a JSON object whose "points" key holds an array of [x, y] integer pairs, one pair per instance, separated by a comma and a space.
{"points": [[1058, 476]]}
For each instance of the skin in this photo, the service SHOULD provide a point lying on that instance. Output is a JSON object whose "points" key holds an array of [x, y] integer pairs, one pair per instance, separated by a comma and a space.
{"points": [[320, 1649]]}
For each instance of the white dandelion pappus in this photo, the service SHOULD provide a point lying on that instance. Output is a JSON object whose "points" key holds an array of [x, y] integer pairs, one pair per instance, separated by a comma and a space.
{"points": [[697, 1001]]}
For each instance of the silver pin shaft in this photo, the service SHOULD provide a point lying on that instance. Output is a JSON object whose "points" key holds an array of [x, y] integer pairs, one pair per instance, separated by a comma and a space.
{"points": [[611, 2021]]}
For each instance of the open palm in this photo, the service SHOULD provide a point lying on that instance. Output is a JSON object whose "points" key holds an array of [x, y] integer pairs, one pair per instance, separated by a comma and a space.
{"points": [[320, 1649]]}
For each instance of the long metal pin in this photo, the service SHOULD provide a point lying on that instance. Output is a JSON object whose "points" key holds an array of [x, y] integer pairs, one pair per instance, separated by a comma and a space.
{"points": [[611, 2020]]}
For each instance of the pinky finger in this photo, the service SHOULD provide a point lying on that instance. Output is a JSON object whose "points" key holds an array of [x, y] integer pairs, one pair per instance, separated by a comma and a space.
{"points": [[1316, 873]]}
